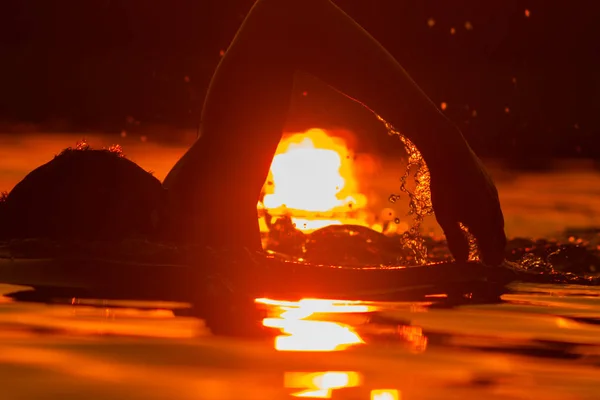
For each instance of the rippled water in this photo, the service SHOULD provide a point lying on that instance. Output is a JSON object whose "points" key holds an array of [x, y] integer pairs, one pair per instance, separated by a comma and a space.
{"points": [[543, 341]]}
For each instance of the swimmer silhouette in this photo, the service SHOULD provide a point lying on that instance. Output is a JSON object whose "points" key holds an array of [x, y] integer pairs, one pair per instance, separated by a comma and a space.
{"points": [[213, 189]]}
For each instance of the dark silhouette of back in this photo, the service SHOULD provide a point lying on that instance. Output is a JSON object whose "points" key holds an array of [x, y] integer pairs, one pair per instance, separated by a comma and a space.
{"points": [[83, 194]]}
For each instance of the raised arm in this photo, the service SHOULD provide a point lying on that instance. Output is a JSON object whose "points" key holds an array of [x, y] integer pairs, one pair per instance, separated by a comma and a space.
{"points": [[247, 104]]}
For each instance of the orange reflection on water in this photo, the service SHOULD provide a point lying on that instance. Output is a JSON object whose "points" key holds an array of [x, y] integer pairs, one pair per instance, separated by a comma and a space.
{"points": [[385, 394], [302, 334], [414, 337], [320, 385]]}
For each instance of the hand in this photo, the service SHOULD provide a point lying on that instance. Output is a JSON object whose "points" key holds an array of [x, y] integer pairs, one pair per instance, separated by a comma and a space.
{"points": [[463, 192]]}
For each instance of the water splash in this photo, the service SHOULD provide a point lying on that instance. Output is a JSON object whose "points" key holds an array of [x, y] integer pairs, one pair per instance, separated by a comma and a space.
{"points": [[420, 205], [116, 149], [82, 145], [474, 254], [419, 199]]}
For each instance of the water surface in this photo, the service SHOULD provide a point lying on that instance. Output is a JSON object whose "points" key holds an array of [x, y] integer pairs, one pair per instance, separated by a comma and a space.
{"points": [[542, 342]]}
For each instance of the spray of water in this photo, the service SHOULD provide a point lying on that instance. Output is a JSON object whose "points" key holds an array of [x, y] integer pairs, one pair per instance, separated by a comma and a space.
{"points": [[420, 205], [419, 198], [473, 250]]}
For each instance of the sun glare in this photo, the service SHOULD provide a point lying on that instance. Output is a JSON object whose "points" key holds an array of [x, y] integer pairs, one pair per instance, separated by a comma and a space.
{"points": [[312, 179]]}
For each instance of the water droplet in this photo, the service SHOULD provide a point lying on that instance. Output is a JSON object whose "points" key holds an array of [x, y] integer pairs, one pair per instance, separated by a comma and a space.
{"points": [[397, 220], [82, 145], [117, 149], [419, 198]]}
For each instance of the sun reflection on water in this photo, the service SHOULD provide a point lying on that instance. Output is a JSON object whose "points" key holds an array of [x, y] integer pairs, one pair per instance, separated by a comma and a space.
{"points": [[320, 385], [385, 394], [414, 337], [303, 334]]}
